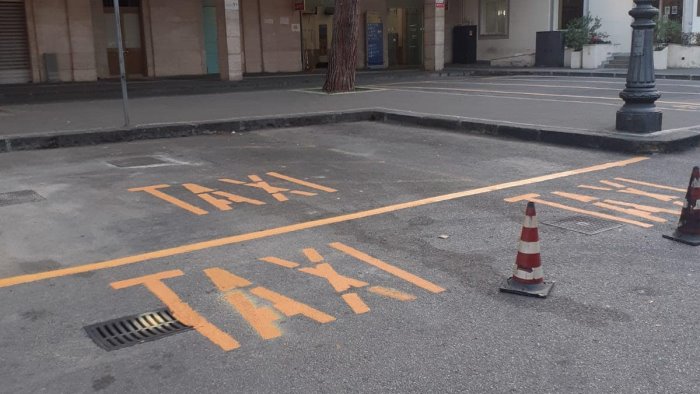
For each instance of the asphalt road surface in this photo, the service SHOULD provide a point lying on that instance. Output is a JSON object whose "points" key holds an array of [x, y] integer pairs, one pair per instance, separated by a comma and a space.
{"points": [[344, 258]]}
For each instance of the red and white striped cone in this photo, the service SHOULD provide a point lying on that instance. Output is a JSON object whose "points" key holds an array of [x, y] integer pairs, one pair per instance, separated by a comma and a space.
{"points": [[688, 231], [528, 277]]}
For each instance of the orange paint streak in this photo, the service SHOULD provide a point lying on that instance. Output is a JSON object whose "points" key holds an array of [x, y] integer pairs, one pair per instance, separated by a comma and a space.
{"points": [[388, 268], [234, 239], [223, 205], [577, 197], [262, 319], [197, 189], [355, 303], [224, 280], [675, 189], [391, 293], [231, 181], [301, 182], [533, 198], [660, 197], [181, 310], [630, 211], [645, 208], [300, 193], [312, 255], [613, 184], [280, 262], [607, 189], [290, 307], [339, 282], [239, 199], [153, 190]]}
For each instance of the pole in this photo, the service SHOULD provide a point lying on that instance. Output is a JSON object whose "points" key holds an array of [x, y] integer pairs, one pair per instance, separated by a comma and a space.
{"points": [[122, 71], [639, 114]]}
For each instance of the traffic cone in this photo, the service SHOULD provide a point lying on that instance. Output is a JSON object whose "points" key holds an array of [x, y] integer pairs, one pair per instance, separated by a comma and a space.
{"points": [[688, 231], [528, 278]]}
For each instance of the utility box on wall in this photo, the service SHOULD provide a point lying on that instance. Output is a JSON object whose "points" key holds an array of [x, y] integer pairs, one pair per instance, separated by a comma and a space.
{"points": [[550, 49], [464, 44]]}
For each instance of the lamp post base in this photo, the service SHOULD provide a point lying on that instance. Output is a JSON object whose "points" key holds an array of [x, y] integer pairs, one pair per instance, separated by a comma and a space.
{"points": [[647, 121]]}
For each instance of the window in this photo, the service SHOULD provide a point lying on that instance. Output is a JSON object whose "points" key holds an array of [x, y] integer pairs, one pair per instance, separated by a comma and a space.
{"points": [[568, 11], [494, 17]]}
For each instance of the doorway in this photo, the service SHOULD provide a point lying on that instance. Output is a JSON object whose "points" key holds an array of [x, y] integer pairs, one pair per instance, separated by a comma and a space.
{"points": [[132, 37], [568, 11], [405, 37], [211, 41]]}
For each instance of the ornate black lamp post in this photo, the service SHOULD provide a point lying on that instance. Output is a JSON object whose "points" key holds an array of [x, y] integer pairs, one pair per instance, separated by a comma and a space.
{"points": [[639, 114]]}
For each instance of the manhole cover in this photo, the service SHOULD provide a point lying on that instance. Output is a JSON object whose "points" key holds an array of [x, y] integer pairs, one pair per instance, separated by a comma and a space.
{"points": [[141, 161], [133, 330], [19, 197], [584, 224]]}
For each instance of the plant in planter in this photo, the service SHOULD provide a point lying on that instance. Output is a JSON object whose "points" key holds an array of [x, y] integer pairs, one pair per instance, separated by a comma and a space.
{"points": [[667, 32], [583, 31]]}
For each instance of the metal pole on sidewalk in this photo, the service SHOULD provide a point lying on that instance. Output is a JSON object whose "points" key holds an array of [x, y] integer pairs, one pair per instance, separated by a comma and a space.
{"points": [[122, 71]]}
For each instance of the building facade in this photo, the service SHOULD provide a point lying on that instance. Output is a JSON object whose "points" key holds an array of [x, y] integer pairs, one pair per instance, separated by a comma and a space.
{"points": [[74, 40]]}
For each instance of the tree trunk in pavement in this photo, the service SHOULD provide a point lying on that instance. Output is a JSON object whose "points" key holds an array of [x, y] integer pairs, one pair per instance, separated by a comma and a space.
{"points": [[343, 54]]}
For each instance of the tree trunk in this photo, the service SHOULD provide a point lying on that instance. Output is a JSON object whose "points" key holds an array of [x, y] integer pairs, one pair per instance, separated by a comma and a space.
{"points": [[343, 53]]}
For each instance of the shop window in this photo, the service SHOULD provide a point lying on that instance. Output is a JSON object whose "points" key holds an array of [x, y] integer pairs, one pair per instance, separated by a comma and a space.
{"points": [[568, 11], [494, 17]]}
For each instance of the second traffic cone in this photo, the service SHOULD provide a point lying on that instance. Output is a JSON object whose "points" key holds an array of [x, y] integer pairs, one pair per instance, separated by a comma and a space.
{"points": [[528, 277], [688, 231]]}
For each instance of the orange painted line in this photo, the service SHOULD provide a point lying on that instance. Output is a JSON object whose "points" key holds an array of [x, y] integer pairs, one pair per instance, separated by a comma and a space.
{"points": [[312, 255], [280, 262], [630, 211], [153, 190], [645, 208], [234, 239], [231, 181], [388, 268], [306, 194], [577, 197], [181, 310], [613, 184], [222, 205], [224, 280], [355, 303], [262, 319], [675, 189], [533, 198], [301, 182], [339, 282], [605, 189], [391, 293], [660, 197], [290, 307], [197, 189]]}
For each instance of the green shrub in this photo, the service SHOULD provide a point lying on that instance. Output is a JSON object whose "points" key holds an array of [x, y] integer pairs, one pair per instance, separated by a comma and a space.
{"points": [[583, 31], [667, 32]]}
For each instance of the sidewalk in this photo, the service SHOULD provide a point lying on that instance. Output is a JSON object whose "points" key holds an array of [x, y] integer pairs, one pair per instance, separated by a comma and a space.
{"points": [[575, 123]]}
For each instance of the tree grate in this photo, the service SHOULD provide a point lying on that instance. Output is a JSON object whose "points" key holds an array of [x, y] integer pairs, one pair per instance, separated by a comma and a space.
{"points": [[584, 224], [19, 197], [133, 330], [140, 161]]}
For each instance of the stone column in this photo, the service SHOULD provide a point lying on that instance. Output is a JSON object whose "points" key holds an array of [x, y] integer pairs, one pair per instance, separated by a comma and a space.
{"points": [[230, 48], [81, 36], [433, 37]]}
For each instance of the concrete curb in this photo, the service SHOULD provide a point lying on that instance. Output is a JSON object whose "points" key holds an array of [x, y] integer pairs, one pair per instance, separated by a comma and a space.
{"points": [[664, 142], [557, 73]]}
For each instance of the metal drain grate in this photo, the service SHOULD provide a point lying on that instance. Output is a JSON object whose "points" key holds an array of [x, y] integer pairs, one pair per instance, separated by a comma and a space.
{"points": [[19, 197], [584, 224], [140, 161], [133, 330]]}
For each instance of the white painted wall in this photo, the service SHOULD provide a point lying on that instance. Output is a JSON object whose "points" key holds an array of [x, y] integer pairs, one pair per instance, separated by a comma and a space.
{"points": [[616, 20]]}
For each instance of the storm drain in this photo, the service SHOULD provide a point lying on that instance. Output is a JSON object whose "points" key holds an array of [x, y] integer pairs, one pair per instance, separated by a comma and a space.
{"points": [[141, 161], [19, 197], [584, 224], [133, 330]]}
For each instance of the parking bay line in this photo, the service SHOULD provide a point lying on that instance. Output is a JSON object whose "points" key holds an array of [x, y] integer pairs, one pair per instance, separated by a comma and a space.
{"points": [[234, 239]]}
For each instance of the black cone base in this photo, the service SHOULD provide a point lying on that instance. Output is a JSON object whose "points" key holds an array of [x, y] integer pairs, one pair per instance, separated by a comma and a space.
{"points": [[638, 122], [688, 239], [540, 290]]}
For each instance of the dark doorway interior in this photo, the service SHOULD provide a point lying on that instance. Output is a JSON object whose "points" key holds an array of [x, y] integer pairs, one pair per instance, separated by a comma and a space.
{"points": [[568, 11]]}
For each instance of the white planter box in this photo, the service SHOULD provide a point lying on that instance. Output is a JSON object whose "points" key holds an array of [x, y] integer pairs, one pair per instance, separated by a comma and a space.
{"points": [[567, 57], [575, 59], [595, 55], [661, 59], [680, 56]]}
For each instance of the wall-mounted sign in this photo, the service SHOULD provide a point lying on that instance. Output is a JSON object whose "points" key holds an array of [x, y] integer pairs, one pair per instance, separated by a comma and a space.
{"points": [[299, 5], [440, 3], [374, 36]]}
